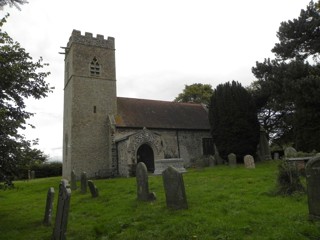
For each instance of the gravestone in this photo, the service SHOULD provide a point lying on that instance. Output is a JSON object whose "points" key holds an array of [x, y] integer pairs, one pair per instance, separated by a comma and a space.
{"points": [[174, 189], [276, 156], [143, 193], [33, 174], [84, 182], [93, 189], [219, 160], [232, 160], [61, 221], [29, 174], [313, 189], [49, 207], [264, 152], [249, 161], [73, 180]]}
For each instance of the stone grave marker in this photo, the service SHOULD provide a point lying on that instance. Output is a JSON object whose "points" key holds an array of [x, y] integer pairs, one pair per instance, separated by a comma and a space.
{"points": [[232, 159], [313, 189], [143, 193], [73, 180], [61, 221], [33, 174], [93, 189], [84, 182], [174, 189], [49, 207], [29, 174], [249, 161]]}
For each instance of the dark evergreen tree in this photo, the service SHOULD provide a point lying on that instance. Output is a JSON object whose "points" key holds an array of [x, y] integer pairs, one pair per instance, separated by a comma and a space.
{"points": [[233, 119], [287, 88]]}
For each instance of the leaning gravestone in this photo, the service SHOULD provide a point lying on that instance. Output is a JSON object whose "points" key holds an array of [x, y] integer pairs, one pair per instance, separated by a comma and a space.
{"points": [[61, 221], [232, 160], [174, 189], [290, 152], [143, 193], [49, 207], [93, 189], [84, 182], [73, 180], [249, 161], [313, 189]]}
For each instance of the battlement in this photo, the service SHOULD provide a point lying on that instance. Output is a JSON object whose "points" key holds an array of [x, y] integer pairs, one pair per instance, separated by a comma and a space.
{"points": [[88, 39]]}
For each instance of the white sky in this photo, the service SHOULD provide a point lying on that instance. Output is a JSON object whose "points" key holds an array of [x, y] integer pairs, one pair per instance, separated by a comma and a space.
{"points": [[160, 46]]}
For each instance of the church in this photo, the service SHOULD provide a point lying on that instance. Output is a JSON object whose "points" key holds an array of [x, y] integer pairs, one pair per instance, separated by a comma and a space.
{"points": [[105, 135]]}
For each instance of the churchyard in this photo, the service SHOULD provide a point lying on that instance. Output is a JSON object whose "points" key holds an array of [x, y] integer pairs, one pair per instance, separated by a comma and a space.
{"points": [[223, 202]]}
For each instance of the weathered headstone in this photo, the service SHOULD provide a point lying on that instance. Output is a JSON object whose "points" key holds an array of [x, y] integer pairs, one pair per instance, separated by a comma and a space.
{"points": [[313, 189], [264, 152], [217, 157], [174, 189], [143, 193], [84, 182], [49, 207], [73, 180], [93, 189], [232, 160], [276, 156], [33, 174], [249, 161], [61, 221]]}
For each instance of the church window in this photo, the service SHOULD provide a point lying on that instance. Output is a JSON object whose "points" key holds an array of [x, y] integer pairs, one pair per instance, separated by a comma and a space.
{"points": [[94, 109], [94, 67], [208, 146]]}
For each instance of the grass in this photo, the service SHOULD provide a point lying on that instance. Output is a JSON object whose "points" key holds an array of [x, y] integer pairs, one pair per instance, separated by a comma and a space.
{"points": [[224, 203]]}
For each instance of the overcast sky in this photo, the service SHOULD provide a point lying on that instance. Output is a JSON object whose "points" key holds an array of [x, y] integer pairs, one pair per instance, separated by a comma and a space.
{"points": [[160, 46]]}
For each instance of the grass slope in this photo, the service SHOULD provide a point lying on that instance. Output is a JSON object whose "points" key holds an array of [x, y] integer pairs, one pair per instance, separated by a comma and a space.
{"points": [[224, 203]]}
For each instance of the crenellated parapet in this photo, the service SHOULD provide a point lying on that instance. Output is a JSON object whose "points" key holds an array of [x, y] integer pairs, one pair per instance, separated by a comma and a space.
{"points": [[88, 39]]}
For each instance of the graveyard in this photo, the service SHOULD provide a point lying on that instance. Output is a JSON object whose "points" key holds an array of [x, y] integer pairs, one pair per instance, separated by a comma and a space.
{"points": [[223, 202]]}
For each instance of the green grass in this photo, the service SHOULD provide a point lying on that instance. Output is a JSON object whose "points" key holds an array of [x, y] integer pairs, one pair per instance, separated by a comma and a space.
{"points": [[224, 203]]}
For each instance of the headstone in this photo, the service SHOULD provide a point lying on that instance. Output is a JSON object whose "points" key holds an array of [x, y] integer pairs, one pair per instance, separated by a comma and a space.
{"points": [[313, 190], [93, 189], [276, 156], [249, 161], [49, 207], [263, 146], [290, 152], [232, 160], [73, 180], [61, 221], [217, 157], [29, 174], [84, 182], [143, 193], [33, 174], [174, 189]]}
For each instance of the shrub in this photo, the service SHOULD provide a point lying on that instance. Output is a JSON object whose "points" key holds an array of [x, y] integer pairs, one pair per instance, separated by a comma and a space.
{"points": [[288, 181]]}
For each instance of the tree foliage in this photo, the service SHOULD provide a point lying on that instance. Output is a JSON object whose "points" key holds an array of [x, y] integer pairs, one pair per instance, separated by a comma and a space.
{"points": [[197, 93], [21, 78], [287, 88], [11, 3], [233, 119]]}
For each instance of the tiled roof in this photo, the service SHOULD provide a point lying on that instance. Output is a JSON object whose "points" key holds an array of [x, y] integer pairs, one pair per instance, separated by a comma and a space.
{"points": [[139, 113]]}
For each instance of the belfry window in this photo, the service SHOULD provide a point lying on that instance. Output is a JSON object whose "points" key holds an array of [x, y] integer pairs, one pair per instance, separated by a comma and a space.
{"points": [[94, 67]]}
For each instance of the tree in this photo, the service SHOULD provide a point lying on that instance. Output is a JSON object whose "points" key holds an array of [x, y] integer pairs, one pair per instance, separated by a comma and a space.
{"points": [[197, 93], [12, 3], [287, 88], [233, 119], [21, 78]]}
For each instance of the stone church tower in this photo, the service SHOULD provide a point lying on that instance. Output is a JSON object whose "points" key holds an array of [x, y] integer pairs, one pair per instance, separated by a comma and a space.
{"points": [[89, 97]]}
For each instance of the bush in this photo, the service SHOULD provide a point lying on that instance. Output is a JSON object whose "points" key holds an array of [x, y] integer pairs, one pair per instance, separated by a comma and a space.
{"points": [[288, 181]]}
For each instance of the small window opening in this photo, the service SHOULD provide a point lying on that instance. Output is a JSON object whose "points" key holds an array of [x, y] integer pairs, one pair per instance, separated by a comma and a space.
{"points": [[95, 67], [94, 109]]}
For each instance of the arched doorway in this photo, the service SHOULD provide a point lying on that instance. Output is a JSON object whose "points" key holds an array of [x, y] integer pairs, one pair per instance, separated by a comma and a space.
{"points": [[145, 155]]}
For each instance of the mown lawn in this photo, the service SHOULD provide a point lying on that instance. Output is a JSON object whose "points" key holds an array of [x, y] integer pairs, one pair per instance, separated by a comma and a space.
{"points": [[224, 203]]}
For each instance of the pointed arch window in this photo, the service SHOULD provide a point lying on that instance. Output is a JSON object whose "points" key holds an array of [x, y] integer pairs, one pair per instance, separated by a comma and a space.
{"points": [[95, 67]]}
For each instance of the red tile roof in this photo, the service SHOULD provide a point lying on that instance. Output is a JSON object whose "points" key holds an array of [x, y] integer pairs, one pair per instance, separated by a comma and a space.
{"points": [[139, 113]]}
